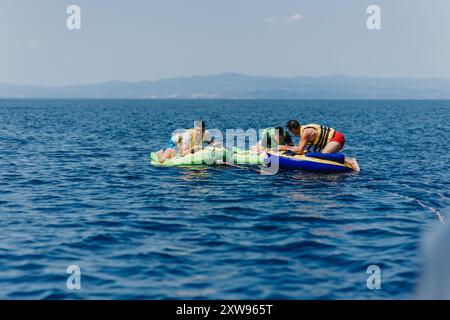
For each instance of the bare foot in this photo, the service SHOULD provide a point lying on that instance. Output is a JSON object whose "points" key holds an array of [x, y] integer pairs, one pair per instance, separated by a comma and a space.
{"points": [[354, 163], [160, 155]]}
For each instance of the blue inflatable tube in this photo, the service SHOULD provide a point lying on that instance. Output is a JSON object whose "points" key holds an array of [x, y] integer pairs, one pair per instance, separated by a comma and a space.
{"points": [[313, 162]]}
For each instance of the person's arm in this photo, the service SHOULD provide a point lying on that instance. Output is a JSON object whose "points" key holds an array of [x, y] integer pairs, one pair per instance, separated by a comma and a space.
{"points": [[302, 144], [258, 148], [211, 140], [214, 143], [184, 149]]}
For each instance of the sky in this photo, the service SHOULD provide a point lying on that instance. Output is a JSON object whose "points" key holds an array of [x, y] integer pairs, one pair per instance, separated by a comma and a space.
{"points": [[151, 39]]}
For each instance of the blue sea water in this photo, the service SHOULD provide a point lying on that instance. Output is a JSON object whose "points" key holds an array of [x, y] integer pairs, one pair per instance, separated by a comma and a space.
{"points": [[77, 188]]}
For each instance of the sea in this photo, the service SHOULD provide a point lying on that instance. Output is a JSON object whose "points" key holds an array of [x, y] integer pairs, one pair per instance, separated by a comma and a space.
{"points": [[84, 215]]}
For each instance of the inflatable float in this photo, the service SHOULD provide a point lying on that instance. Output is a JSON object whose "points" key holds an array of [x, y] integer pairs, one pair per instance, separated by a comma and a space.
{"points": [[312, 161], [210, 156]]}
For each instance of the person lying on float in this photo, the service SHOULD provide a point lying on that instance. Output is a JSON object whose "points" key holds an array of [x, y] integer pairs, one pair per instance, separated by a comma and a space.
{"points": [[271, 139], [187, 141]]}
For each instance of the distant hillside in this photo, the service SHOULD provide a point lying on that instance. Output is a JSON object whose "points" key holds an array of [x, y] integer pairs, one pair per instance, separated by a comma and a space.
{"points": [[238, 86]]}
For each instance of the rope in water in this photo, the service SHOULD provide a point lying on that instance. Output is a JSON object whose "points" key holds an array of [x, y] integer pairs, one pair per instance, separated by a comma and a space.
{"points": [[439, 215]]}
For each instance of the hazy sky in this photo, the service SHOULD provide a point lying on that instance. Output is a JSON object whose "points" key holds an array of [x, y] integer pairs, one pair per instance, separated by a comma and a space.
{"points": [[150, 39]]}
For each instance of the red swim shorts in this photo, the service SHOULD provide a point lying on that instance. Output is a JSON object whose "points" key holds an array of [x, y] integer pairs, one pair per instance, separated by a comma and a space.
{"points": [[339, 138]]}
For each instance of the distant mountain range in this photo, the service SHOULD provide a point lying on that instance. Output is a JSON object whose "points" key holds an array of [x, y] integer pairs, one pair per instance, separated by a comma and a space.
{"points": [[239, 86]]}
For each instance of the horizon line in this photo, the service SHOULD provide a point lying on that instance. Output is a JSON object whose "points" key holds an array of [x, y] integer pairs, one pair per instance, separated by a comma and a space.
{"points": [[228, 99]]}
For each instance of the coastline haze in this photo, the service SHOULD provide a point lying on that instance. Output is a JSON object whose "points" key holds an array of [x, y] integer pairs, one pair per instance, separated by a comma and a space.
{"points": [[239, 86]]}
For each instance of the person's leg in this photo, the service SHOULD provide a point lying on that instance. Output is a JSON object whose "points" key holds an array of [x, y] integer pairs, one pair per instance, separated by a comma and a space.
{"points": [[332, 147], [254, 149], [166, 154], [336, 143], [354, 163], [257, 148]]}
